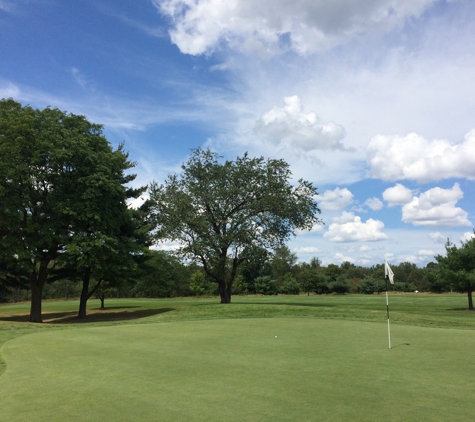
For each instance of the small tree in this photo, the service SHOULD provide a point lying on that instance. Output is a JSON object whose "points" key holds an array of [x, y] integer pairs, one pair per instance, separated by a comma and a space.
{"points": [[289, 285], [266, 285], [222, 213]]}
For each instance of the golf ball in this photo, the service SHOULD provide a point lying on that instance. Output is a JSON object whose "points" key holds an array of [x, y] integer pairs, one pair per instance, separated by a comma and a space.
{"points": [[275, 336]]}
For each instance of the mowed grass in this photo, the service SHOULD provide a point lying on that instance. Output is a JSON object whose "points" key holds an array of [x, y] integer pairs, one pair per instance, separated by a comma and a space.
{"points": [[193, 359]]}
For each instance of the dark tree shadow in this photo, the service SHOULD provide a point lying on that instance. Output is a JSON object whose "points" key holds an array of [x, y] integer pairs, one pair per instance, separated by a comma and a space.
{"points": [[311, 305], [93, 315]]}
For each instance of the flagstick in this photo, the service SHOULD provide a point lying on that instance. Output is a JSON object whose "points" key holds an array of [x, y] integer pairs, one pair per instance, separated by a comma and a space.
{"points": [[387, 310]]}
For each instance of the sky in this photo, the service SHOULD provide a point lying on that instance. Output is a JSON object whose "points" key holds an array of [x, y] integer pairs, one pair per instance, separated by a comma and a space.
{"points": [[373, 101]]}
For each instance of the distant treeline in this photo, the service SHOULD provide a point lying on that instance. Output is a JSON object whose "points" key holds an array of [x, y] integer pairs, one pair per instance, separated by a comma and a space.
{"points": [[162, 275]]}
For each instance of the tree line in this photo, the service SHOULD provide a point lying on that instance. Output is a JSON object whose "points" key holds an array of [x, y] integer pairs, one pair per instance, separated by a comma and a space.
{"points": [[67, 230]]}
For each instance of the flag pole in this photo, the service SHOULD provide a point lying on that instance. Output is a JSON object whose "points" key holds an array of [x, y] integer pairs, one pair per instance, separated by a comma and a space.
{"points": [[387, 310]]}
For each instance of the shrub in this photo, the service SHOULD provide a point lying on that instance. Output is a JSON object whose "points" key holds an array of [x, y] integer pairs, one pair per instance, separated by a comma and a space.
{"points": [[289, 286], [265, 285], [339, 286]]}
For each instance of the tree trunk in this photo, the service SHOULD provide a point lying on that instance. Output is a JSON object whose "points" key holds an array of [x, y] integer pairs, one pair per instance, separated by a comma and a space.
{"points": [[225, 292], [470, 300], [102, 297], [37, 282], [36, 296], [84, 294]]}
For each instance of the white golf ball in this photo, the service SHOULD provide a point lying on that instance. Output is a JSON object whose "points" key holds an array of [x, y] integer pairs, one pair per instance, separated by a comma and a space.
{"points": [[275, 336]]}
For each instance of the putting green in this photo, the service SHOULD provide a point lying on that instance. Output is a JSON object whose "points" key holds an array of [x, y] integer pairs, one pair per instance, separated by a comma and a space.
{"points": [[236, 370]]}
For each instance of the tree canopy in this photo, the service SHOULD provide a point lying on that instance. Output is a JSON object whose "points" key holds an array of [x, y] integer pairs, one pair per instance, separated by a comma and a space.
{"points": [[457, 267], [220, 213], [62, 185]]}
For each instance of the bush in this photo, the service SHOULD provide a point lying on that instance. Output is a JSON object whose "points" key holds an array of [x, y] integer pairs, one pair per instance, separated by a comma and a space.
{"points": [[240, 286], [320, 285], [367, 286], [404, 287], [265, 285], [289, 285], [340, 286]]}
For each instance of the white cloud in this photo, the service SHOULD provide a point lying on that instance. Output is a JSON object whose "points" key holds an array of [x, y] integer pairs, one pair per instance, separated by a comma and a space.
{"points": [[467, 236], [167, 245], [305, 250], [79, 77], [289, 126], [269, 26], [438, 237], [349, 228], [425, 252], [397, 195], [336, 199], [436, 207], [374, 203], [138, 202], [317, 228], [339, 257], [394, 157]]}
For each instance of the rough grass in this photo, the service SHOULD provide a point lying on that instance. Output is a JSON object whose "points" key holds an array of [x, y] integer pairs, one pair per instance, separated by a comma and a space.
{"points": [[193, 359]]}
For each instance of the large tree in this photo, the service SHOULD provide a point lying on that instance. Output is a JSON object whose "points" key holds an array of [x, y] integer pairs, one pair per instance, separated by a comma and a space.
{"points": [[220, 212], [60, 178], [457, 267]]}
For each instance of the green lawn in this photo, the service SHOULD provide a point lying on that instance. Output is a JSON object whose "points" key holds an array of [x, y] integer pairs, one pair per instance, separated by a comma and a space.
{"points": [[193, 359]]}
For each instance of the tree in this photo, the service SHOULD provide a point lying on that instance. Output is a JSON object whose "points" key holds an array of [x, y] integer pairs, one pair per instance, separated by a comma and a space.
{"points": [[457, 267], [283, 262], [60, 178], [220, 213]]}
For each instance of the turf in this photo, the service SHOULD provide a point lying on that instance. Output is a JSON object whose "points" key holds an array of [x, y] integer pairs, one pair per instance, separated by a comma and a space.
{"points": [[191, 359]]}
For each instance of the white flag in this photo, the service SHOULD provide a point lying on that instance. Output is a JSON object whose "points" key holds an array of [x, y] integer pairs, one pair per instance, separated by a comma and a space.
{"points": [[388, 272]]}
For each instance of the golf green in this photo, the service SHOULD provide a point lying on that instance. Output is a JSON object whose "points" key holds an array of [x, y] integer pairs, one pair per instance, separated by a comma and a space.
{"points": [[238, 370]]}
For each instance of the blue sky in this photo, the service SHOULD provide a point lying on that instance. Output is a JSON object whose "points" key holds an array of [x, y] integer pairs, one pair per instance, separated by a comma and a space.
{"points": [[371, 100]]}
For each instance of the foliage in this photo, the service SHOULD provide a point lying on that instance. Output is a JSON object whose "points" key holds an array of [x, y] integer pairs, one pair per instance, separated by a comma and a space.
{"points": [[160, 274], [289, 285], [283, 262], [240, 287], [62, 187], [321, 284], [339, 286], [266, 285], [458, 267], [221, 213], [196, 285]]}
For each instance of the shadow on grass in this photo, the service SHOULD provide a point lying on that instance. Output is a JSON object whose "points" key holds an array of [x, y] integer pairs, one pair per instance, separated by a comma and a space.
{"points": [[93, 315], [461, 310], [311, 305]]}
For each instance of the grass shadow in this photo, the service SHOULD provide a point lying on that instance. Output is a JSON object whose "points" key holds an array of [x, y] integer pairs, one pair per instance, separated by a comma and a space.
{"points": [[311, 305], [461, 310], [93, 315]]}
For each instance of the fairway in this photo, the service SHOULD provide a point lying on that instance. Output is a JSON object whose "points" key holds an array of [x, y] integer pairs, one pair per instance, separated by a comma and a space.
{"points": [[236, 370]]}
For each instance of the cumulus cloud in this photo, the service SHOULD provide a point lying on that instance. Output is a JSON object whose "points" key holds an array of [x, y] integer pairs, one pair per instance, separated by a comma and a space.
{"points": [[349, 228], [306, 250], [467, 236], [269, 26], [438, 237], [336, 199], [425, 252], [339, 257], [374, 203], [436, 207], [394, 157], [289, 126], [317, 228], [397, 195]]}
